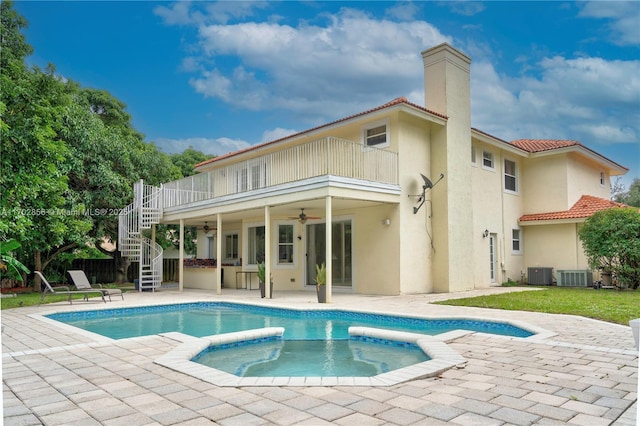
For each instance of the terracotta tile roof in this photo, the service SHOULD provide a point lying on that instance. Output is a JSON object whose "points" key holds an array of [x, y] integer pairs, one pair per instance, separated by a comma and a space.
{"points": [[539, 145], [396, 101], [583, 208]]}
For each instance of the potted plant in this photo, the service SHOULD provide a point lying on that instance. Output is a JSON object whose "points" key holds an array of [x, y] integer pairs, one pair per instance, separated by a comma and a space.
{"points": [[262, 279], [321, 280]]}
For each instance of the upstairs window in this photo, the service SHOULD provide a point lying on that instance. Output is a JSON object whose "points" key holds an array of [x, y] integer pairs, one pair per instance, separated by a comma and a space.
{"points": [[510, 177], [601, 178], [473, 155], [377, 135], [487, 160]]}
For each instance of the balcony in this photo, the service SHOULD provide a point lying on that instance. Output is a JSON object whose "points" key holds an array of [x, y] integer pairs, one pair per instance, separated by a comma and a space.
{"points": [[327, 156]]}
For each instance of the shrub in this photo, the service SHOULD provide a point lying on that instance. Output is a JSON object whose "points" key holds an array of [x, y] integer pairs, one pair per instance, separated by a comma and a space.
{"points": [[611, 241]]}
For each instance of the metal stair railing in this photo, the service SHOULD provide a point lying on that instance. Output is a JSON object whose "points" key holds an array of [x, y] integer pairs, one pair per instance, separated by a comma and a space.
{"points": [[143, 213]]}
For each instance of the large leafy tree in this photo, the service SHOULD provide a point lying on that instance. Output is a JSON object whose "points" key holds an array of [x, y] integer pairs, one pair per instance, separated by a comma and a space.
{"points": [[630, 197], [187, 159], [33, 175], [611, 241], [69, 156]]}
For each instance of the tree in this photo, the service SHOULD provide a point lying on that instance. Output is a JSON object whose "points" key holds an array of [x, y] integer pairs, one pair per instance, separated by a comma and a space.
{"points": [[611, 241], [188, 159], [69, 158], [630, 197]]}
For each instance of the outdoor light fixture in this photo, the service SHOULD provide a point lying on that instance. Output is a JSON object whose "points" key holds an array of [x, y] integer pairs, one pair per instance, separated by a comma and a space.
{"points": [[427, 185], [485, 234]]}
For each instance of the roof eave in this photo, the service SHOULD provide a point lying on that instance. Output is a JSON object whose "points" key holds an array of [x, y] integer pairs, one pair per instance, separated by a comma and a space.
{"points": [[552, 221], [614, 168]]}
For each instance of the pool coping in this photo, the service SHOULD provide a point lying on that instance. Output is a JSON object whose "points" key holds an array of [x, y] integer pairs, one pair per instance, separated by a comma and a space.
{"points": [[179, 359], [442, 358]]}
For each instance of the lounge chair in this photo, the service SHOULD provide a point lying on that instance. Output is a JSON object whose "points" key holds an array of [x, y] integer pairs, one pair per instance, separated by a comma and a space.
{"points": [[81, 282], [65, 290]]}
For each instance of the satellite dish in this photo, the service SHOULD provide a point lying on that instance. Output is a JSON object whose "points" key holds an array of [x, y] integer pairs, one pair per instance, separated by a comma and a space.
{"points": [[427, 182]]}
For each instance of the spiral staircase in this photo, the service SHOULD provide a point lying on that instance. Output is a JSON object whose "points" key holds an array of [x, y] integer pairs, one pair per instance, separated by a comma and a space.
{"points": [[134, 243]]}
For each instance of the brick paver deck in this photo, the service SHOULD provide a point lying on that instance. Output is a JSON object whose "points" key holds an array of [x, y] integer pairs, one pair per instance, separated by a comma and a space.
{"points": [[587, 374]]}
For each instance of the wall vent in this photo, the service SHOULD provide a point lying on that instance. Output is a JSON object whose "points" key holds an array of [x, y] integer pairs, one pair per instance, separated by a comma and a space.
{"points": [[540, 276], [575, 278]]}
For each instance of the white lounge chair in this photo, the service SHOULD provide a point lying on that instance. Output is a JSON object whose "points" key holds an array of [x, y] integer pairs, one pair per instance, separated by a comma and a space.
{"points": [[65, 290], [81, 282]]}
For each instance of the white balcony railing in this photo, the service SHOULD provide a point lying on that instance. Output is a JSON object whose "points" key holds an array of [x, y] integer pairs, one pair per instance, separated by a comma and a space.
{"points": [[327, 156]]}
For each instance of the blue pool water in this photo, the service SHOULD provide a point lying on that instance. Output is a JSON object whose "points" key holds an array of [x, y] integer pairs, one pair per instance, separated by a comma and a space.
{"points": [[209, 318], [275, 357]]}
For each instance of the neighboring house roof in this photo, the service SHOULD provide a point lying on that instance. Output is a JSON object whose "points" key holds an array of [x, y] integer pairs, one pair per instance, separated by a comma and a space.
{"points": [[582, 209], [396, 101]]}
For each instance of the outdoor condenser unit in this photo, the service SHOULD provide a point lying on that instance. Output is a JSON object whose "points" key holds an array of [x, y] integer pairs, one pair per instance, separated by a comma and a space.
{"points": [[540, 276], [574, 278]]}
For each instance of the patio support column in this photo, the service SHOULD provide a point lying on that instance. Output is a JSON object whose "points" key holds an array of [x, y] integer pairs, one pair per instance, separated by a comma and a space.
{"points": [[219, 254], [267, 252], [328, 255], [181, 258]]}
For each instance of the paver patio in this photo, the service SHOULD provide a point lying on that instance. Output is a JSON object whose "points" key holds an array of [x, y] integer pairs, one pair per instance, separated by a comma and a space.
{"points": [[586, 374]]}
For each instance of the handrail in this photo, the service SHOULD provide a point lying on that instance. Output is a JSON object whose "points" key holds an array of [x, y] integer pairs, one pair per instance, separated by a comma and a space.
{"points": [[326, 156]]}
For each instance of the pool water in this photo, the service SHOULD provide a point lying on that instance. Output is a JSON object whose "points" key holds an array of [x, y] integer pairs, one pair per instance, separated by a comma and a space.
{"points": [[211, 318], [274, 357]]}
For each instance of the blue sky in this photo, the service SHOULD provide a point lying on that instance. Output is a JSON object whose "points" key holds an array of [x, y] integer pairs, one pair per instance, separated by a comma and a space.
{"points": [[221, 76]]}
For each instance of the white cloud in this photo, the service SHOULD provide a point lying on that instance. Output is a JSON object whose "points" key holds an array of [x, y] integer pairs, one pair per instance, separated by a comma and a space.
{"points": [[277, 133], [217, 146], [320, 72], [624, 25], [589, 99]]}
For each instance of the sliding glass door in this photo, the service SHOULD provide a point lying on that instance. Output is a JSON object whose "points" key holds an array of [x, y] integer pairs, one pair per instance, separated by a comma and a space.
{"points": [[341, 252]]}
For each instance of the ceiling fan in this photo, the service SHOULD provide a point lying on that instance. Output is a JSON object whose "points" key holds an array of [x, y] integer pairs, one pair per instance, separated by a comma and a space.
{"points": [[207, 228], [302, 217]]}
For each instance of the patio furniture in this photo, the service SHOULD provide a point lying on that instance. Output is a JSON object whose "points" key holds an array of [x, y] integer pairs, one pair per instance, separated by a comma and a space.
{"points": [[81, 282], [65, 290]]}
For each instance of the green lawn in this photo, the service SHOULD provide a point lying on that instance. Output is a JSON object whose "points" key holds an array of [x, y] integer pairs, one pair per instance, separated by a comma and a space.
{"points": [[33, 298], [608, 305]]}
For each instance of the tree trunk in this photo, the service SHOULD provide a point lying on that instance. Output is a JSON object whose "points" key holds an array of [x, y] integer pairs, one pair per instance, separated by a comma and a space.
{"points": [[122, 266], [37, 262]]}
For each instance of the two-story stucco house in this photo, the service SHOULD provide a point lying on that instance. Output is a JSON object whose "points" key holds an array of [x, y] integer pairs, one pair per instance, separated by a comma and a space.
{"points": [[418, 202]]}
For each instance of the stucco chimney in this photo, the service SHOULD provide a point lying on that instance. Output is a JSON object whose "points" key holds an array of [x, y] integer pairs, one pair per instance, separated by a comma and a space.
{"points": [[447, 91]]}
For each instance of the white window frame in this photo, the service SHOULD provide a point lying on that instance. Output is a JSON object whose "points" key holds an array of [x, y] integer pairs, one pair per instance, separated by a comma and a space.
{"points": [[246, 245], [211, 246], [225, 253], [294, 243], [251, 175], [519, 240], [492, 167], [514, 176], [373, 125], [602, 179]]}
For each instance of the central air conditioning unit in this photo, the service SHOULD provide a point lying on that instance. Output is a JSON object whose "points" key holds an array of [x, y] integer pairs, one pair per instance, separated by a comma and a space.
{"points": [[540, 276], [575, 278]]}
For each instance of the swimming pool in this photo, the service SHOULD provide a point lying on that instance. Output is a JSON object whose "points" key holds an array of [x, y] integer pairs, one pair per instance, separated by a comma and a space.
{"points": [[274, 357], [200, 319]]}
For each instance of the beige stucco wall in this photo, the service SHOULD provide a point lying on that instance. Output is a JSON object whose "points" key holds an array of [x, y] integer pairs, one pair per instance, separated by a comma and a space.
{"points": [[554, 246], [584, 178], [376, 248], [544, 184], [447, 90], [415, 230], [200, 278]]}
